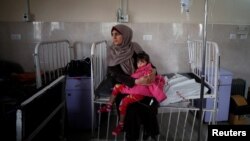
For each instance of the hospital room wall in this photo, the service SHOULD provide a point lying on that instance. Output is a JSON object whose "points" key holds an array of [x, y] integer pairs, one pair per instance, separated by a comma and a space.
{"points": [[152, 11], [86, 21]]}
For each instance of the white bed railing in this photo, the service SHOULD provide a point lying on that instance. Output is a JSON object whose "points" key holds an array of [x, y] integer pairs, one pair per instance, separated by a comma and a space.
{"points": [[176, 122], [211, 72], [98, 72], [211, 63], [50, 59], [181, 124]]}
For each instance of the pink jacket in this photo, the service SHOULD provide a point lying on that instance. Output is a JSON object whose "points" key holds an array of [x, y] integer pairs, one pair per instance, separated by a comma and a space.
{"points": [[154, 90]]}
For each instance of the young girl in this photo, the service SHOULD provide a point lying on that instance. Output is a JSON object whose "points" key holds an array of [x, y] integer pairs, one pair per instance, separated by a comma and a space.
{"points": [[137, 92]]}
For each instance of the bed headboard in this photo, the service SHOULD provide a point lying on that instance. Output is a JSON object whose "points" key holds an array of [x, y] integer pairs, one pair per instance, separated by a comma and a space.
{"points": [[98, 71], [98, 62], [212, 56], [50, 59]]}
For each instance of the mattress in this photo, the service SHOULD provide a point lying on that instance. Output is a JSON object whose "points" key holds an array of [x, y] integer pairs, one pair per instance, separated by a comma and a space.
{"points": [[180, 88]]}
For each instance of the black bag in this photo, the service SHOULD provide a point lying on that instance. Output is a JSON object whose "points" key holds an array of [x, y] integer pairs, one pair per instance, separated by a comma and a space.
{"points": [[78, 68]]}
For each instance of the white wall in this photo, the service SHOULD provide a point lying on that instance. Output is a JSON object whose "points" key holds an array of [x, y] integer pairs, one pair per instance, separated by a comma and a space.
{"points": [[158, 11], [86, 21]]}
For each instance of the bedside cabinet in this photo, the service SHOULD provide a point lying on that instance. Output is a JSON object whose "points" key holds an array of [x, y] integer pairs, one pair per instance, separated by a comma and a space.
{"points": [[224, 94], [78, 101]]}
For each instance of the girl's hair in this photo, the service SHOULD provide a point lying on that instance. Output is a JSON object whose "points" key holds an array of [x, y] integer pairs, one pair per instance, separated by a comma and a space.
{"points": [[143, 56]]}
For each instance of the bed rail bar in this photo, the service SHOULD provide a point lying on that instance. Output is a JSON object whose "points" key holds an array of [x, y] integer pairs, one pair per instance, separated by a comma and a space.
{"points": [[50, 59], [98, 71], [175, 124], [211, 62], [21, 131], [211, 72]]}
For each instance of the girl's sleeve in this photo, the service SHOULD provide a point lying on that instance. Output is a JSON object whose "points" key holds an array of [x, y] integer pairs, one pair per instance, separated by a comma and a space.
{"points": [[119, 76]]}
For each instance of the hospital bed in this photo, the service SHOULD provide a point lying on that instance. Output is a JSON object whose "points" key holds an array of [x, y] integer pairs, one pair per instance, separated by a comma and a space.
{"points": [[47, 105], [178, 119]]}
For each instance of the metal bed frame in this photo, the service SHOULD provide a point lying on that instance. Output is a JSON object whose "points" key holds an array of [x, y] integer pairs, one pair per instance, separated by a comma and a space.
{"points": [[98, 73], [50, 59], [176, 122]]}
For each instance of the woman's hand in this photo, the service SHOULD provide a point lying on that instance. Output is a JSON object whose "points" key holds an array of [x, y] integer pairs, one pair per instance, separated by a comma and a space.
{"points": [[146, 80]]}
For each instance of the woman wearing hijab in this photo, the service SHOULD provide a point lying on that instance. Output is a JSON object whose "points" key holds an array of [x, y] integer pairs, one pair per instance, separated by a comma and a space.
{"points": [[121, 64]]}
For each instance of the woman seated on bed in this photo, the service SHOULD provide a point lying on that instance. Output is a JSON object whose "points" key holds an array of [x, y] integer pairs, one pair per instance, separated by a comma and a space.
{"points": [[137, 92], [121, 64]]}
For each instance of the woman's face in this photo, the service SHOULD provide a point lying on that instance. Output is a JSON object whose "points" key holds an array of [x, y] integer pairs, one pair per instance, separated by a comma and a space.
{"points": [[116, 37]]}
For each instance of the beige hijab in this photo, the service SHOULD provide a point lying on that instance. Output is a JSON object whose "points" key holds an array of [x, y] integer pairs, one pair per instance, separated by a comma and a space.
{"points": [[123, 53]]}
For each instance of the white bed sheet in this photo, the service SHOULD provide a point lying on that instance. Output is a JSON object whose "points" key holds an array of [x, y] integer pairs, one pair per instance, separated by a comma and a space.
{"points": [[181, 88]]}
